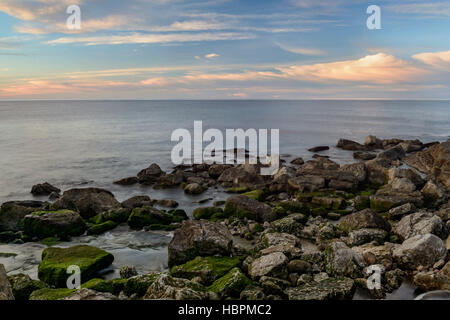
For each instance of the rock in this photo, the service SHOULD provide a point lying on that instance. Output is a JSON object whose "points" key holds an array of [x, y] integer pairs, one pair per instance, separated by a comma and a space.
{"points": [[319, 148], [387, 198], [119, 215], [283, 175], [138, 285], [55, 261], [88, 294], [252, 293], [350, 145], [429, 281], [409, 174], [373, 141], [432, 193], [402, 185], [206, 212], [377, 170], [374, 254], [62, 224], [299, 266], [87, 202], [127, 181], [411, 146], [361, 236], [6, 292], [231, 284], [340, 260], [150, 175], [101, 228], [328, 289], [245, 207], [54, 196], [291, 224], [12, 213], [420, 223], [272, 265], [127, 272], [51, 294], [145, 216], [199, 238], [366, 218], [242, 176], [167, 203], [194, 188], [217, 169], [22, 286], [307, 183], [167, 287], [394, 153], [99, 285], [172, 179], [361, 155], [44, 189], [274, 286], [356, 170], [421, 250], [298, 161], [402, 210], [137, 202], [208, 269], [332, 203]]}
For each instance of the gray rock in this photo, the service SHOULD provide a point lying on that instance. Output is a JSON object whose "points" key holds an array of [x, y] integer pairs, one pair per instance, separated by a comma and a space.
{"points": [[245, 207], [88, 294], [150, 174], [137, 202], [271, 265], [328, 289], [194, 188], [361, 236], [44, 189], [12, 213], [5, 287], [167, 287], [340, 260], [366, 218], [420, 223], [402, 210]]}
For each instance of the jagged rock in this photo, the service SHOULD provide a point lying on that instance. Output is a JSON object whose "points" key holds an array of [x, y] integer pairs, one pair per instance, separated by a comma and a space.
{"points": [[88, 294], [402, 185], [283, 175], [167, 287], [44, 189], [286, 243], [428, 281], [242, 176], [409, 174], [432, 192], [87, 202], [172, 179], [357, 170], [340, 260], [127, 272], [402, 210], [420, 250], [361, 236], [62, 224], [22, 286], [137, 202], [12, 213], [150, 175], [373, 141], [307, 183], [420, 223], [366, 218], [217, 169], [245, 207], [350, 145], [328, 289], [377, 254], [298, 161], [199, 238], [394, 153], [360, 155], [387, 198], [127, 181], [291, 224], [231, 284], [138, 285], [273, 265], [6, 292]]}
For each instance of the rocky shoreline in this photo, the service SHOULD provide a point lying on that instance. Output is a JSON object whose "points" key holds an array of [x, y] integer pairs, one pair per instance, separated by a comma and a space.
{"points": [[316, 229]]}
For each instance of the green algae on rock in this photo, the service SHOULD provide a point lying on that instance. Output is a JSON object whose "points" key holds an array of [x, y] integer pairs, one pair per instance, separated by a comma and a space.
{"points": [[231, 284], [51, 294], [22, 286]]}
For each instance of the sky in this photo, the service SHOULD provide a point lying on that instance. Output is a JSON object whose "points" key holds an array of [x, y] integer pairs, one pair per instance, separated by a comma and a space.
{"points": [[224, 49]]}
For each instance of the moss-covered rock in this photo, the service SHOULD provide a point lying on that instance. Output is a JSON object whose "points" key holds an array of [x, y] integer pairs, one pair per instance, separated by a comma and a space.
{"points": [[118, 285], [380, 204], [333, 203], [255, 194], [62, 224], [164, 227], [245, 207], [138, 285], [237, 190], [291, 206], [51, 241], [118, 215], [22, 286], [291, 224], [207, 268], [231, 284], [55, 261], [206, 212], [102, 227], [99, 285], [177, 215], [13, 212], [51, 294], [9, 236], [145, 216]]}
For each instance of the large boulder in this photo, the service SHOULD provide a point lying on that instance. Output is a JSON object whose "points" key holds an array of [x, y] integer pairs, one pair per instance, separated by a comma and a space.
{"points": [[138, 285], [387, 198], [420, 223], [88, 202], [150, 175], [271, 265], [366, 218], [199, 238], [328, 289], [421, 250], [137, 202], [62, 224], [242, 176], [6, 292], [167, 287], [145, 216], [231, 284], [13, 212], [340, 260], [245, 207], [55, 262]]}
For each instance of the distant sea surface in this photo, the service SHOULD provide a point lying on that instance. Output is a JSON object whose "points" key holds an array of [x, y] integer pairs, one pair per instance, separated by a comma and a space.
{"points": [[92, 143]]}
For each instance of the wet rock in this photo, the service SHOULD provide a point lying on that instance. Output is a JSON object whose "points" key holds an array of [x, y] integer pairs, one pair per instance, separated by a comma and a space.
{"points": [[361, 155], [387, 198], [12, 213], [55, 262], [199, 238], [6, 292], [231, 284], [272, 265], [328, 289], [138, 285], [22, 286], [54, 196], [366, 218], [394, 153], [137, 202], [350, 145], [298, 161], [146, 216], [432, 192], [217, 169], [150, 175], [373, 141], [361, 236], [87, 202], [402, 210], [411, 146], [44, 189], [128, 272], [167, 287], [245, 207], [420, 250], [88, 294], [172, 179], [420, 223], [340, 260], [319, 148], [194, 188], [101, 228], [62, 224], [299, 266], [167, 203], [127, 181], [118, 216]]}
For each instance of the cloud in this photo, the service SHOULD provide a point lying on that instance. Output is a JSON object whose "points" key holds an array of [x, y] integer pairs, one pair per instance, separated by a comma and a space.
{"points": [[302, 51], [436, 59], [431, 8], [211, 55], [155, 82]]}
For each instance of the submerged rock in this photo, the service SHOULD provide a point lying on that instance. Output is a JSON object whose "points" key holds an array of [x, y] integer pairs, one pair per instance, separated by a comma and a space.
{"points": [[55, 262], [150, 175], [127, 181], [199, 238]]}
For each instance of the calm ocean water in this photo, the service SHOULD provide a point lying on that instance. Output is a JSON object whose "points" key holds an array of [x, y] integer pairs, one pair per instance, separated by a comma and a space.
{"points": [[92, 143]]}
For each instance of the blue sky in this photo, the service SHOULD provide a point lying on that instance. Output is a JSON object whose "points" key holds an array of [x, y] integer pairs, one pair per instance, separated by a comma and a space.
{"points": [[166, 49]]}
